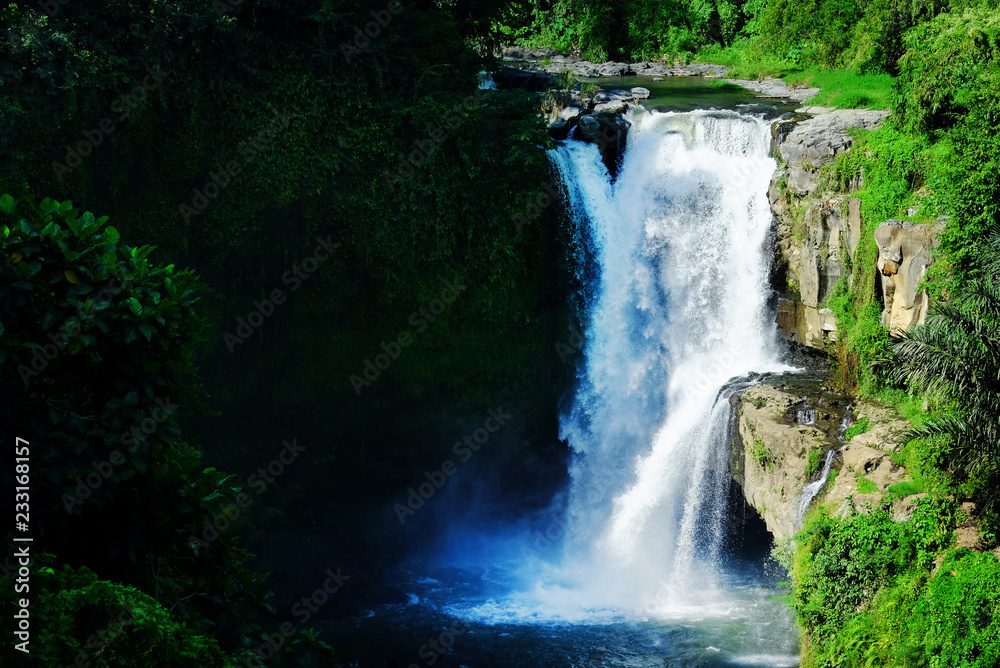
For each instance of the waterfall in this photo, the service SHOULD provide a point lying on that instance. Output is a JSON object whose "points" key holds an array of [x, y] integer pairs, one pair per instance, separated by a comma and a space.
{"points": [[677, 308], [810, 491]]}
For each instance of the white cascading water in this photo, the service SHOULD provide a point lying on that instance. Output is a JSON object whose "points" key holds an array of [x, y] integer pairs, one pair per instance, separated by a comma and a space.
{"points": [[677, 310]]}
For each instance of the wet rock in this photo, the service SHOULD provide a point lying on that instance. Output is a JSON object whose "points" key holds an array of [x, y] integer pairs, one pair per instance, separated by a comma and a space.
{"points": [[615, 70], [609, 131], [640, 93], [559, 129], [590, 127], [774, 446]]}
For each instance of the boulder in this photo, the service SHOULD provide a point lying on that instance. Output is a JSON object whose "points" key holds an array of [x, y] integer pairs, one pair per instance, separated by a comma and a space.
{"points": [[614, 70], [590, 128], [615, 107], [608, 130], [570, 113], [640, 93], [773, 447]]}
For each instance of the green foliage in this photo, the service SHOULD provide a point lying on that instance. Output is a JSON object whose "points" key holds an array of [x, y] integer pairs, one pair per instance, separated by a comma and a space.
{"points": [[347, 167], [761, 453], [841, 564], [625, 29], [958, 620], [903, 489], [865, 485], [895, 168], [949, 67], [862, 426], [79, 619], [71, 291], [867, 590], [95, 341], [815, 461], [845, 88]]}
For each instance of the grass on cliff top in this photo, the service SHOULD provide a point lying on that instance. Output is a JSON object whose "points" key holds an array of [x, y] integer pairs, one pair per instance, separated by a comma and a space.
{"points": [[842, 88], [845, 89]]}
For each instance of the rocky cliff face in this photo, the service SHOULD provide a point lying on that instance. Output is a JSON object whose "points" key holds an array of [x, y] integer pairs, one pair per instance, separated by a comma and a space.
{"points": [[783, 424], [787, 428], [818, 228], [904, 253]]}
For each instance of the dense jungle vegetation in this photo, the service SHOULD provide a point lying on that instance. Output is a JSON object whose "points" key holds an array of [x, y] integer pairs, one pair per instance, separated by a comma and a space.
{"points": [[165, 166]]}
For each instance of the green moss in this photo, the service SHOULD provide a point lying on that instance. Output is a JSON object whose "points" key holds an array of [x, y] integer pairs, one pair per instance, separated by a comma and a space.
{"points": [[865, 485], [815, 462], [861, 427], [904, 489], [761, 453]]}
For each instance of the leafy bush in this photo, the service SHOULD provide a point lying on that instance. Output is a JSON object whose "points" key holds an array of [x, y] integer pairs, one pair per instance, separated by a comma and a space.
{"points": [[96, 340], [841, 566], [82, 620], [948, 67]]}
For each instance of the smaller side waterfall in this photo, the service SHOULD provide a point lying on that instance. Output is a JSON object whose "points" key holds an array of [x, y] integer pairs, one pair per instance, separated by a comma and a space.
{"points": [[810, 491]]}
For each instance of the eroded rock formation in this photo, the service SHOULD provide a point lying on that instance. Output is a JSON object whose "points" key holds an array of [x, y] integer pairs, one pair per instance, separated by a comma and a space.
{"points": [[784, 420], [904, 253]]}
